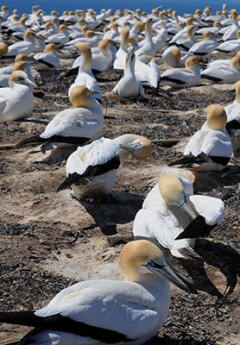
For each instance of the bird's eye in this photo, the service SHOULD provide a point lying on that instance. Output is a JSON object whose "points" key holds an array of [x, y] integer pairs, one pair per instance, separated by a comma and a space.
{"points": [[150, 263]]}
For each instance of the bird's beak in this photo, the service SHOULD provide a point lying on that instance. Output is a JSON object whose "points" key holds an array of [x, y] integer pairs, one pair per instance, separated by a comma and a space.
{"points": [[30, 83], [93, 93], [189, 208], [166, 272]]}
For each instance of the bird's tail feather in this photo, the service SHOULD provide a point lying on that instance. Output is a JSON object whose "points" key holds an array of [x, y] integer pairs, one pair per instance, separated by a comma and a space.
{"points": [[36, 139]]}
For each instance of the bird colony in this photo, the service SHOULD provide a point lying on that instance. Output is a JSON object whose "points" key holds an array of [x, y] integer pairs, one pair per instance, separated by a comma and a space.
{"points": [[119, 162]]}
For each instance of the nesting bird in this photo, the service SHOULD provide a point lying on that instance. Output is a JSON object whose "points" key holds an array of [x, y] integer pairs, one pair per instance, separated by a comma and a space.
{"points": [[48, 59], [205, 47], [24, 47], [223, 73], [74, 126], [182, 77], [16, 101], [91, 170], [107, 311], [210, 148], [175, 217]]}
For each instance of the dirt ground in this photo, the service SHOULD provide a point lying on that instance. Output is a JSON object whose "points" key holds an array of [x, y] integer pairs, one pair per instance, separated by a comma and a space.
{"points": [[50, 240]]}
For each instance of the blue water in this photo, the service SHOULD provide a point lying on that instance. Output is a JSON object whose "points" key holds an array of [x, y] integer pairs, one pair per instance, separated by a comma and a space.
{"points": [[181, 6]]}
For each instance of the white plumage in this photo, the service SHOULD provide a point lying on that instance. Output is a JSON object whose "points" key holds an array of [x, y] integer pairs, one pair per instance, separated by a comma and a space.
{"points": [[49, 58], [16, 101], [210, 148], [165, 222], [128, 85], [91, 170], [223, 73], [109, 311], [179, 77]]}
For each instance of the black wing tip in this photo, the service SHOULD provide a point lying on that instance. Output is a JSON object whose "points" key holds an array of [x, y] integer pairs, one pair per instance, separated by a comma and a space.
{"points": [[36, 139], [209, 77]]}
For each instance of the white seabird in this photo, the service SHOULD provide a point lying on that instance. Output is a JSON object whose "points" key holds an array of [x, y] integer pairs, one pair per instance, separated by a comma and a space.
{"points": [[61, 38], [205, 47], [48, 59], [230, 47], [172, 57], [24, 47], [101, 59], [121, 54], [85, 76], [233, 111], [147, 47], [223, 73], [16, 101], [182, 77], [210, 148], [128, 85], [74, 126], [4, 78], [107, 311], [175, 217], [91, 170]]}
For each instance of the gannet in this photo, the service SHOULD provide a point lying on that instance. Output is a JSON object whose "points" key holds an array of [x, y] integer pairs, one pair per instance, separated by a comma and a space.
{"points": [[101, 60], [79, 30], [119, 62], [172, 57], [221, 62], [40, 44], [112, 33], [91, 170], [9, 69], [147, 47], [136, 29], [182, 33], [223, 73], [210, 148], [214, 29], [3, 49], [49, 30], [231, 46], [205, 47], [85, 76], [63, 16], [159, 39], [189, 41], [147, 73], [233, 111], [4, 12], [53, 14], [74, 126], [175, 217], [47, 59], [24, 47], [62, 37], [128, 85], [232, 31], [107, 311], [90, 38], [16, 101], [4, 77], [182, 77]]}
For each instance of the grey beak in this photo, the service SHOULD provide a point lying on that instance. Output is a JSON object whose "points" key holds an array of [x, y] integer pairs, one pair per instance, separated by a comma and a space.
{"points": [[166, 272]]}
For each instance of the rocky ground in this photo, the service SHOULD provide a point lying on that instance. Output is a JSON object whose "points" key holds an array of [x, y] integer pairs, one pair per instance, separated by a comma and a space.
{"points": [[49, 240]]}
